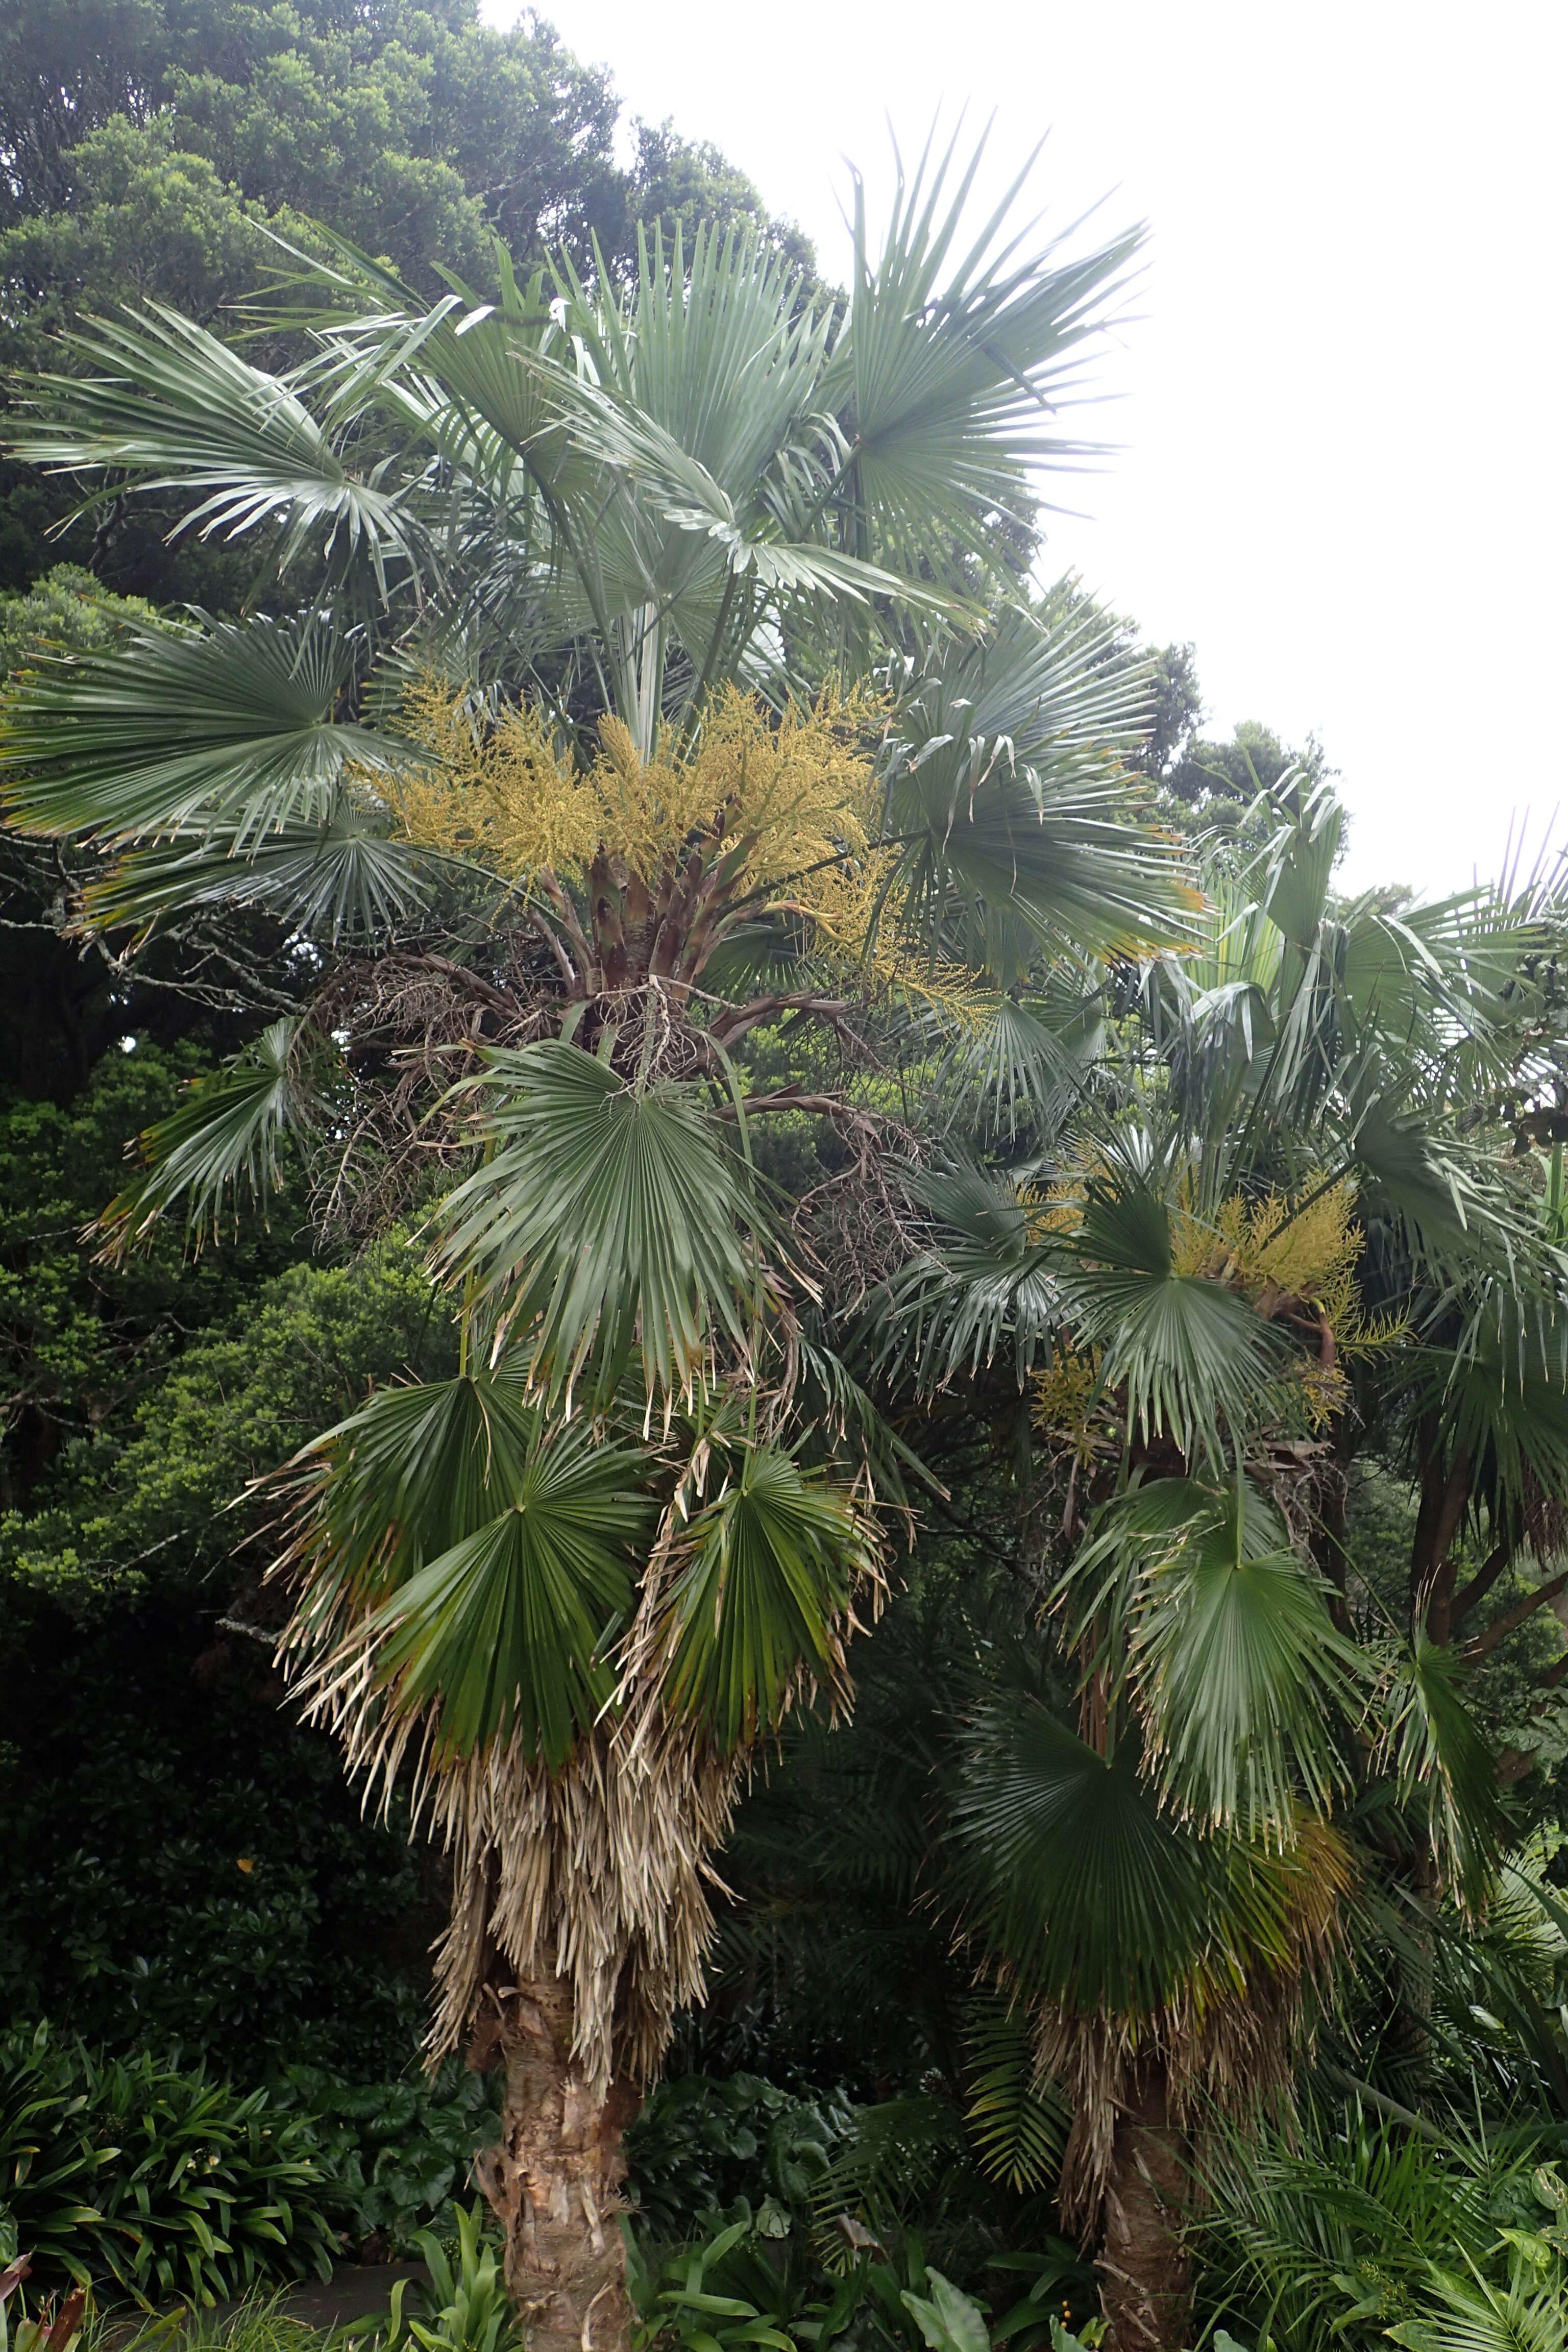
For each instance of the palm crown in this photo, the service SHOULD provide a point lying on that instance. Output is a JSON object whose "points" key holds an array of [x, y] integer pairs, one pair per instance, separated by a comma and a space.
{"points": [[1280, 1205]]}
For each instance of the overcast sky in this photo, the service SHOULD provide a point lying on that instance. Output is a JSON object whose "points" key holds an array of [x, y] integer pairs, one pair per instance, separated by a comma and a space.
{"points": [[1340, 405]]}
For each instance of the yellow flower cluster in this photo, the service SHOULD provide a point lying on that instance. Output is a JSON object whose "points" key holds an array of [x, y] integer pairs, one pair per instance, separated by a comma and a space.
{"points": [[1266, 1246], [496, 791], [796, 795], [1066, 1410]]}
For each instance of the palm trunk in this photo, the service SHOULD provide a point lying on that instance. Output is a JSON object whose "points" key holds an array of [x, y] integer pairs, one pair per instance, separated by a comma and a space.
{"points": [[554, 2180], [1145, 2276]]}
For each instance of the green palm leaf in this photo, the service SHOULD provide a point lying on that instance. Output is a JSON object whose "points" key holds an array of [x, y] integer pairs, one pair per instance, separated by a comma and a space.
{"points": [[982, 1284], [1195, 1359], [1530, 2314], [1237, 1668], [227, 1138], [505, 1632], [331, 881], [1018, 2123], [1028, 1061], [416, 1471], [607, 1217], [1441, 1761], [1094, 1895], [1005, 792], [471, 1558], [762, 1583], [955, 366], [234, 726], [170, 405]]}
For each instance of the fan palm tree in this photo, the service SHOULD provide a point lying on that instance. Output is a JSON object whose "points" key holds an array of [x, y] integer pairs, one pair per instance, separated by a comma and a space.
{"points": [[653, 680], [1205, 1258]]}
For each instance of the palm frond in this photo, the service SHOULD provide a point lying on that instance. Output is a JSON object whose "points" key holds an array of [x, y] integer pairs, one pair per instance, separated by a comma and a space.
{"points": [[760, 1590], [1027, 1060], [165, 402], [983, 1283], [1017, 2122], [505, 1633], [1094, 1895], [227, 1138], [1240, 1674], [956, 359], [1011, 814], [1194, 1358], [333, 881], [234, 725], [606, 1217], [1441, 1761], [416, 1471], [1470, 2314]]}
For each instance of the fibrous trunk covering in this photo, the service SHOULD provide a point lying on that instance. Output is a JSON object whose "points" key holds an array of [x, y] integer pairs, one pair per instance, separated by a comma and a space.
{"points": [[597, 1872], [580, 1920], [1146, 2277]]}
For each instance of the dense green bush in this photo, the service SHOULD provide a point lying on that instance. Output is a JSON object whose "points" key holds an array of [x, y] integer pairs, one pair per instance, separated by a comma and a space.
{"points": [[168, 2180], [397, 2154], [165, 2182], [1343, 2228], [701, 2142]]}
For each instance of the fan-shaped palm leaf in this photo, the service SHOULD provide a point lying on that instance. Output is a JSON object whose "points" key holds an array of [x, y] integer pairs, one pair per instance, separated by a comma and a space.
{"points": [[417, 1470], [1094, 1895], [235, 726], [955, 362], [606, 1216], [1027, 1061], [227, 1138], [1004, 792], [1099, 1899], [1237, 1668], [761, 1585], [1442, 1762], [164, 401], [984, 1283], [505, 1632], [1194, 1358], [340, 880]]}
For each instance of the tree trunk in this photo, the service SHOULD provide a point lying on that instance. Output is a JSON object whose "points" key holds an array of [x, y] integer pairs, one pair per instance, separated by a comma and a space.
{"points": [[554, 2181], [1146, 2277]]}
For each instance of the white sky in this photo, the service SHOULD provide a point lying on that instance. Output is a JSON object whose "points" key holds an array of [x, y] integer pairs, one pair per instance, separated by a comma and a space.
{"points": [[1340, 408]]}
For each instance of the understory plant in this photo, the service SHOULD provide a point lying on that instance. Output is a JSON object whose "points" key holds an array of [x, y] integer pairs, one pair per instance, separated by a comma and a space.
{"points": [[155, 2182], [396, 2157]]}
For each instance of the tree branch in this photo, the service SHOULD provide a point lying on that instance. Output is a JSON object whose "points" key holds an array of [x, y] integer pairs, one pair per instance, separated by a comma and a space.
{"points": [[570, 925], [552, 941], [474, 982], [1511, 1619], [735, 1023], [1481, 1583], [827, 1106]]}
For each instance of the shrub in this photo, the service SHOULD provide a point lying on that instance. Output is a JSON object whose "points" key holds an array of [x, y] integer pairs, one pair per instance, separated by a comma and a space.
{"points": [[703, 2142], [167, 2182], [465, 2308], [396, 2155], [184, 1865]]}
